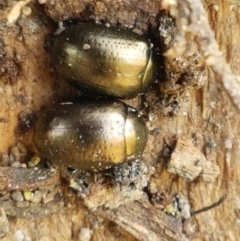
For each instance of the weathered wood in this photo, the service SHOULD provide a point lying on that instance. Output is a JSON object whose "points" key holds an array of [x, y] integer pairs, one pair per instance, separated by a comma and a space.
{"points": [[27, 178], [145, 222], [189, 162], [204, 116], [194, 20]]}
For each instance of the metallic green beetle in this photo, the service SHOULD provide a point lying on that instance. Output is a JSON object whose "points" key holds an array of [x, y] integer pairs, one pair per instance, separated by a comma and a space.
{"points": [[105, 60], [90, 133]]}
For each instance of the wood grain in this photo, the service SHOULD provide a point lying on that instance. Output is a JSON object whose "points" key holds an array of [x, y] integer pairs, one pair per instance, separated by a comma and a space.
{"points": [[26, 178]]}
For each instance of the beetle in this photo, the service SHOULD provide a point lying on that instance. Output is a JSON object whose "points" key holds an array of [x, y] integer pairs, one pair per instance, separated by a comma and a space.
{"points": [[90, 134], [104, 60]]}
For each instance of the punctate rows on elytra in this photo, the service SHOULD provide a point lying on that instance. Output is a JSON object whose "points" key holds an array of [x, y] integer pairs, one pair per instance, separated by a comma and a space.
{"points": [[90, 134], [104, 60]]}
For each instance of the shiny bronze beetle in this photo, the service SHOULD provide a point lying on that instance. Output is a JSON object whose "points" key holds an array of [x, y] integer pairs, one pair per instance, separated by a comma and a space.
{"points": [[90, 133], [104, 60]]}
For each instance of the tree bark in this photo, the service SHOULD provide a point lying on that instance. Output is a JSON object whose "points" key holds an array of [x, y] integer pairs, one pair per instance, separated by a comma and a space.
{"points": [[199, 77]]}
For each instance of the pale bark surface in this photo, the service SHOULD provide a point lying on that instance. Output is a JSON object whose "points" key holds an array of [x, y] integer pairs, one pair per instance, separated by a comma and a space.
{"points": [[206, 118]]}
